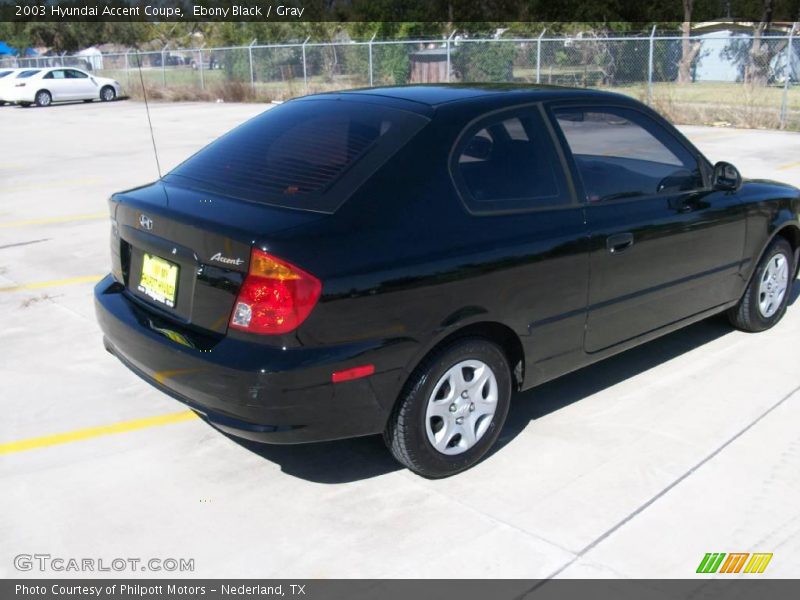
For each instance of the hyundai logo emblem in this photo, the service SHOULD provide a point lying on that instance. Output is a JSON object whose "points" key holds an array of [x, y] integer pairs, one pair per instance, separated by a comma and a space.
{"points": [[145, 222]]}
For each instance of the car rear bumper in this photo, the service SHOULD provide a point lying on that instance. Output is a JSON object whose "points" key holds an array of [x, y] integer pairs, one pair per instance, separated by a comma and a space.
{"points": [[251, 390], [17, 95]]}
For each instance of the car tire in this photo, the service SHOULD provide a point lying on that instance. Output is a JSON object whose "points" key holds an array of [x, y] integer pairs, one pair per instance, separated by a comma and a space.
{"points": [[108, 93], [767, 295], [433, 429], [43, 98], [24, 104]]}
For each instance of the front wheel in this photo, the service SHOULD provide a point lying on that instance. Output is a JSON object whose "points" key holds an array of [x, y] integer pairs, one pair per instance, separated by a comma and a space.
{"points": [[764, 301], [452, 409], [107, 94]]}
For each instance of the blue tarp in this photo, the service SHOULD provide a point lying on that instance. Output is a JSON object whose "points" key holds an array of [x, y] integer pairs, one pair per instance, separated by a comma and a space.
{"points": [[6, 49]]}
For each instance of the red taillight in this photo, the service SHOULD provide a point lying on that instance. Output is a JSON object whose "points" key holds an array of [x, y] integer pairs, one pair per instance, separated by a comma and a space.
{"points": [[275, 297]]}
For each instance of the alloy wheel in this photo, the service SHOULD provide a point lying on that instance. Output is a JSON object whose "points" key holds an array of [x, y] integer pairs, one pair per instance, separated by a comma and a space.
{"points": [[772, 289]]}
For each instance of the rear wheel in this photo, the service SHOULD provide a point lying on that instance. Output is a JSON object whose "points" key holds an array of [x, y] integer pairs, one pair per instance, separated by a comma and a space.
{"points": [[452, 409], [43, 98], [107, 94], [764, 302]]}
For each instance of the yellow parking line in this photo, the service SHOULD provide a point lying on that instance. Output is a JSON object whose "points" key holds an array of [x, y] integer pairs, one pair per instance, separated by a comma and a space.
{"points": [[52, 283], [789, 166], [93, 432], [46, 220]]}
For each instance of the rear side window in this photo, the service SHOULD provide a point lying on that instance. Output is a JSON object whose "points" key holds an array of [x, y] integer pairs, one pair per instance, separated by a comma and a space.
{"points": [[509, 164], [296, 155]]}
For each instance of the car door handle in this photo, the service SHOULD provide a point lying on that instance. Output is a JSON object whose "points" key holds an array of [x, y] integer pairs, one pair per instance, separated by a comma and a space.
{"points": [[619, 242]]}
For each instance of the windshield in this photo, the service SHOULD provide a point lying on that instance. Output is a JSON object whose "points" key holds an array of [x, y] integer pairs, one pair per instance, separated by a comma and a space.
{"points": [[293, 154]]}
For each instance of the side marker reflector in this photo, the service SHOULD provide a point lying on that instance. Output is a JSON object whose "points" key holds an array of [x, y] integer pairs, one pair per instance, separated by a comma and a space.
{"points": [[354, 373]]}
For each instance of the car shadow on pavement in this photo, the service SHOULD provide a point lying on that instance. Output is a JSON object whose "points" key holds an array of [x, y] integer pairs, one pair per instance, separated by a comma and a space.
{"points": [[64, 103], [329, 462], [549, 397], [362, 458]]}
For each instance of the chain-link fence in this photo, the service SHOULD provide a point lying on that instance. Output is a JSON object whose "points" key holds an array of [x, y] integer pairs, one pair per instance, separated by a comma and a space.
{"points": [[746, 80]]}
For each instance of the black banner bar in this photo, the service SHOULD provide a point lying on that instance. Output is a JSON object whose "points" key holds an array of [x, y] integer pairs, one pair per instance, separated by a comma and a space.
{"points": [[436, 589], [445, 11]]}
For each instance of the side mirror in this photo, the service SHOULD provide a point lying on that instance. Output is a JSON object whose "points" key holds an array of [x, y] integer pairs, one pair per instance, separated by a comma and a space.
{"points": [[726, 177]]}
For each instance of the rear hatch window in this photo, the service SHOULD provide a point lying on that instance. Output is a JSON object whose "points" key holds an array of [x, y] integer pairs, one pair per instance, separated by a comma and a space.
{"points": [[308, 154]]}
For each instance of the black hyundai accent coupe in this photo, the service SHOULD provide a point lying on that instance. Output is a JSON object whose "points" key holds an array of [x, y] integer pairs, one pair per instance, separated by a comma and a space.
{"points": [[399, 260]]}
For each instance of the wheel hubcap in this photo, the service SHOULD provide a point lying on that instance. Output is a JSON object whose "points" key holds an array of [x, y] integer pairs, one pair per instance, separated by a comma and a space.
{"points": [[772, 288], [44, 99], [461, 407], [109, 94]]}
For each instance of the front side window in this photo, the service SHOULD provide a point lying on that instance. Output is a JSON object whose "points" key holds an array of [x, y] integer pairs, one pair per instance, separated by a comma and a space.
{"points": [[509, 163], [622, 153], [73, 74]]}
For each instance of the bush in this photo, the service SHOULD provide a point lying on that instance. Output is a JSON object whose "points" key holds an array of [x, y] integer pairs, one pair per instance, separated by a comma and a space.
{"points": [[391, 64], [484, 61]]}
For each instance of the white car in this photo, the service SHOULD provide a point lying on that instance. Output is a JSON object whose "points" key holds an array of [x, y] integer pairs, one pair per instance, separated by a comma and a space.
{"points": [[60, 84], [6, 75]]}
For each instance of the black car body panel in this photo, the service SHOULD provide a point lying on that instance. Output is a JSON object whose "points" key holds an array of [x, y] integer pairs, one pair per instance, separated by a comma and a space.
{"points": [[408, 260]]}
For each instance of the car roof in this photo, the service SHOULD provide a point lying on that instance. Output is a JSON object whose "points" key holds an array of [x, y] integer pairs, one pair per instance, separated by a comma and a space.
{"points": [[431, 96]]}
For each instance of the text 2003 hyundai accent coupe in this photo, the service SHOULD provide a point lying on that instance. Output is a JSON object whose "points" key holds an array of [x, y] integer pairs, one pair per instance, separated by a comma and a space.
{"points": [[399, 260]]}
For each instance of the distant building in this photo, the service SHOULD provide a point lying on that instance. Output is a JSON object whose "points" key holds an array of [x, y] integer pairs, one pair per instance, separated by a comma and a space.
{"points": [[717, 60]]}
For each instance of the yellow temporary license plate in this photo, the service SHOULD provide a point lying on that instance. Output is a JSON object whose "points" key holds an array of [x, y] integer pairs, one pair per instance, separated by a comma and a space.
{"points": [[159, 279]]}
